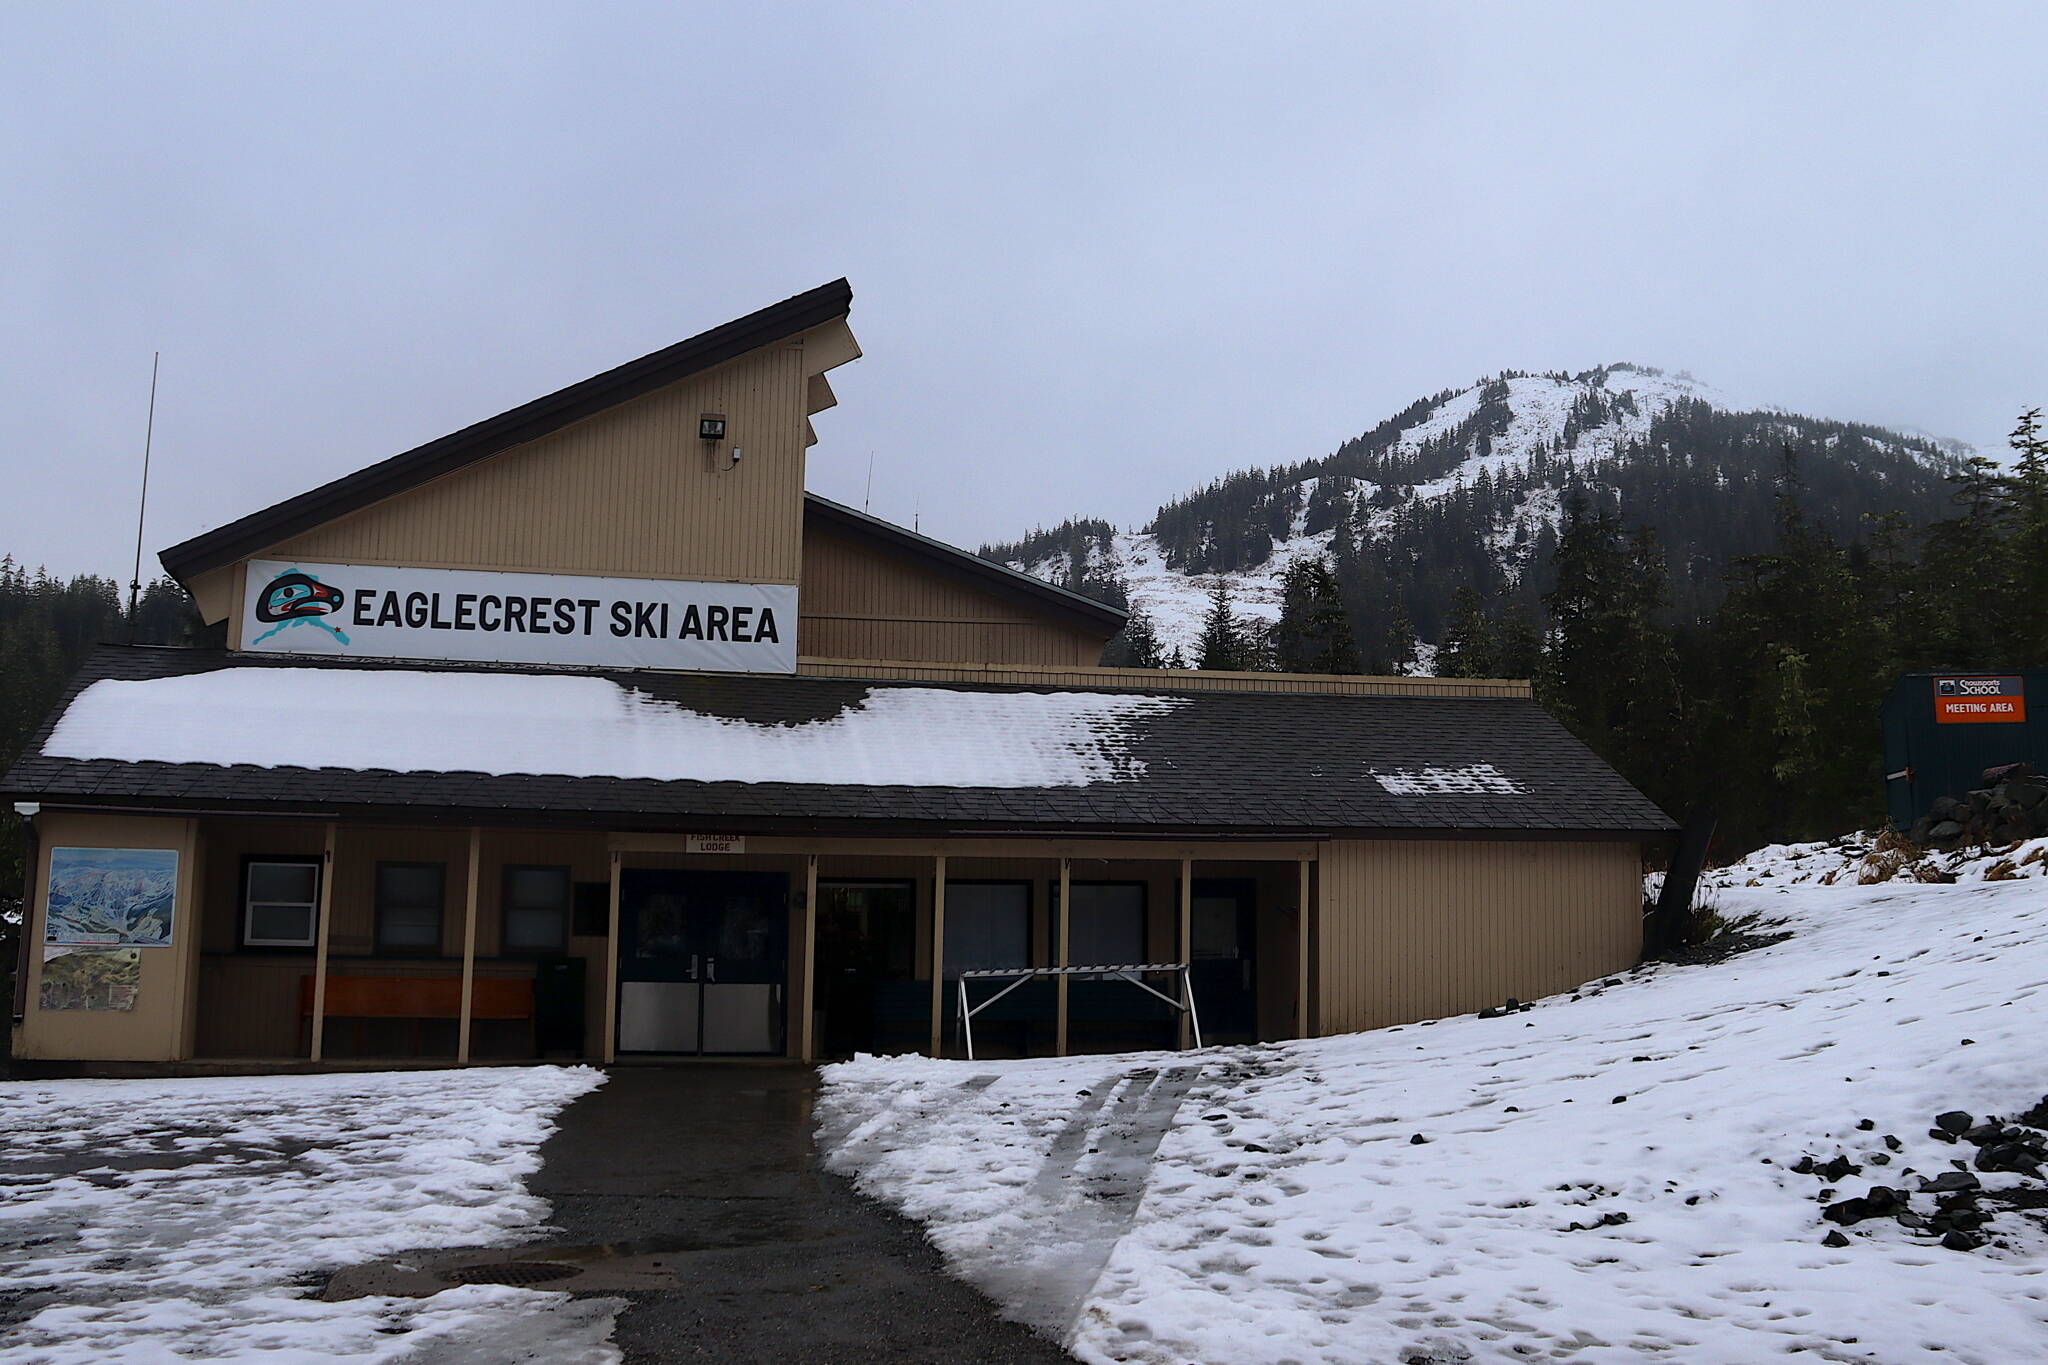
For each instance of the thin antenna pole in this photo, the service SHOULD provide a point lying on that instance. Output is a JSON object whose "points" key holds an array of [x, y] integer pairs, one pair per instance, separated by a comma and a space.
{"points": [[142, 503], [868, 493]]}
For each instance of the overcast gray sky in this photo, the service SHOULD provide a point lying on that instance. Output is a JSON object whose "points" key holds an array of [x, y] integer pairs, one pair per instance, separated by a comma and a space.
{"points": [[1100, 253]]}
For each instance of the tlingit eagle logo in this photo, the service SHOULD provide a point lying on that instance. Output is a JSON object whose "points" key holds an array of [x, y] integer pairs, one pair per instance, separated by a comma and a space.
{"points": [[297, 598]]}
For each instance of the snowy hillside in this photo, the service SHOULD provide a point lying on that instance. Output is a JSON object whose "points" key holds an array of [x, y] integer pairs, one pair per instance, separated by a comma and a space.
{"points": [[1480, 475], [1681, 1163]]}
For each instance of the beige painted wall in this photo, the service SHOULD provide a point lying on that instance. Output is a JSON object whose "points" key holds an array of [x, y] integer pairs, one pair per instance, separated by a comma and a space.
{"points": [[859, 602], [161, 1026], [629, 492], [1167, 680], [1419, 929]]}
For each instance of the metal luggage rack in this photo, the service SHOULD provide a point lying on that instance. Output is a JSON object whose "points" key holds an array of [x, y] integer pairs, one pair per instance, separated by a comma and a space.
{"points": [[1122, 971]]}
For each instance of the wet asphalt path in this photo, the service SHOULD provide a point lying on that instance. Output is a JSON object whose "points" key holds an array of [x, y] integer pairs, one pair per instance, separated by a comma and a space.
{"points": [[781, 1261]]}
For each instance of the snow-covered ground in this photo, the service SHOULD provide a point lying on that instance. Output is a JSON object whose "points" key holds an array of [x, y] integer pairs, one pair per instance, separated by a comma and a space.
{"points": [[1604, 1178], [147, 1221]]}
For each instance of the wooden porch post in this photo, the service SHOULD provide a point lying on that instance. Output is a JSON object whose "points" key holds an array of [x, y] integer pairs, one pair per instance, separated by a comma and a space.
{"points": [[1187, 932], [611, 973], [807, 1002], [1062, 958], [1301, 1014], [938, 955], [318, 1039], [476, 864]]}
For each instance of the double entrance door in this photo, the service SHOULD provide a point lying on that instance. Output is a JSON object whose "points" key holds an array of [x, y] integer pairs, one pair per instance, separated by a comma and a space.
{"points": [[703, 961]]}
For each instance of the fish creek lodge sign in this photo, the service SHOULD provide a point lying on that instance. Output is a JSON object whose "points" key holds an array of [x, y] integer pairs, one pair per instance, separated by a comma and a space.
{"points": [[379, 611]]}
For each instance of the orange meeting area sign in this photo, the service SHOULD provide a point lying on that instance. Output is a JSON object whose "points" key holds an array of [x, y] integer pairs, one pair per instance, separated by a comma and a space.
{"points": [[1966, 701]]}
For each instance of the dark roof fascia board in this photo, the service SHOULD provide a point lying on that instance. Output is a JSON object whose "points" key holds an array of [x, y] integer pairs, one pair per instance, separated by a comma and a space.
{"points": [[998, 578], [878, 828], [527, 422]]}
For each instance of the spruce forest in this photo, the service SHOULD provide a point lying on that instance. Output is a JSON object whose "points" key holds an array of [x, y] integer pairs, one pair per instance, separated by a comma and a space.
{"points": [[1725, 641]]}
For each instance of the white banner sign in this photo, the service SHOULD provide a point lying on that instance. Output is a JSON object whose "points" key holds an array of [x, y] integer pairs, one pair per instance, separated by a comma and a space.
{"points": [[376, 611]]}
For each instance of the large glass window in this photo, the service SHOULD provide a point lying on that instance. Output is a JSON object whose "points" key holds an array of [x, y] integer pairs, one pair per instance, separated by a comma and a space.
{"points": [[536, 909], [280, 902], [988, 925], [409, 907], [1107, 924]]}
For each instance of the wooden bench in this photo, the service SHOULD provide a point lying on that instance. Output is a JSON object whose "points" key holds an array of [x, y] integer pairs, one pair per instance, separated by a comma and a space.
{"points": [[418, 998]]}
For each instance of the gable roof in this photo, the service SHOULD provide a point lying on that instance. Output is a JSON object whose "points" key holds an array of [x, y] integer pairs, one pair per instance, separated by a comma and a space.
{"points": [[1000, 579], [983, 758], [529, 421]]}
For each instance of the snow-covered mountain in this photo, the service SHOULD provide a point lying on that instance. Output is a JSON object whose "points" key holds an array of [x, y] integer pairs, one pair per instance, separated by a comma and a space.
{"points": [[1469, 486]]}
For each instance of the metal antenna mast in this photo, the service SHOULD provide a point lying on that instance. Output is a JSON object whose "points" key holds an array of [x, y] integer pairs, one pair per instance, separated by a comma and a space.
{"points": [[868, 493], [142, 503]]}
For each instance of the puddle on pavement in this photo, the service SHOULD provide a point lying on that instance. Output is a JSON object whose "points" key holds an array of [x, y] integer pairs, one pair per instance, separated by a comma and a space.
{"points": [[610, 1268]]}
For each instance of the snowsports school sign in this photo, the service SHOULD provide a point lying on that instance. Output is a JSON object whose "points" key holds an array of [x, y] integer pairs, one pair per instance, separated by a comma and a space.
{"points": [[377, 611]]}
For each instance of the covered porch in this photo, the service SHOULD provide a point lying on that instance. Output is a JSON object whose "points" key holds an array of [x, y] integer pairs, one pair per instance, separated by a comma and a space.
{"points": [[344, 943]]}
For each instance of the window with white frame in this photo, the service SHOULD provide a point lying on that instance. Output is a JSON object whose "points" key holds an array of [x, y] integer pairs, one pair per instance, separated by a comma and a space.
{"points": [[280, 902]]}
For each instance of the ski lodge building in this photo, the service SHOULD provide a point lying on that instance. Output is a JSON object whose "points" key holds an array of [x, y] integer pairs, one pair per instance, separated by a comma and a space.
{"points": [[586, 731]]}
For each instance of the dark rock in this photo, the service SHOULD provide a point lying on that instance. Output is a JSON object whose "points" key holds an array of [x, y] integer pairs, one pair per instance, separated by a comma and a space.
{"points": [[1417, 1140], [1954, 1121], [1865, 1125], [1941, 1135], [1847, 1212], [1961, 1241], [1892, 1142], [2037, 1117], [1879, 1158], [1803, 1167], [2027, 792], [1984, 1133], [1513, 1003], [1834, 1239], [1908, 1219], [2008, 1156], [1943, 830], [1948, 1182], [1841, 1168], [1489, 1013], [1881, 1199], [1619, 1099]]}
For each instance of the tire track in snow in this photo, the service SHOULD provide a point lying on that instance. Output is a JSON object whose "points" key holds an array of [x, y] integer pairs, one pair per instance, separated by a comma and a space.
{"points": [[1044, 1263]]}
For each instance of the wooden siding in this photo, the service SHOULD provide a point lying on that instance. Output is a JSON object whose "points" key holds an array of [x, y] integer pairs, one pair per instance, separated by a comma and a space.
{"points": [[1420, 929], [628, 492], [859, 602], [158, 1027], [1163, 680], [248, 1000]]}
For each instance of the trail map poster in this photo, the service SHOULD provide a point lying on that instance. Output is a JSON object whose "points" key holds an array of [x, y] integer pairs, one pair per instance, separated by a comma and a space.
{"points": [[111, 897], [90, 978]]}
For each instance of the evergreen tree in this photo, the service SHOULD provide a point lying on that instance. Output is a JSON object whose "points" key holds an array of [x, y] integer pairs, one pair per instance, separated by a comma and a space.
{"points": [[1222, 645], [1518, 645], [1468, 649], [1136, 645], [1314, 631], [1398, 654], [2027, 517]]}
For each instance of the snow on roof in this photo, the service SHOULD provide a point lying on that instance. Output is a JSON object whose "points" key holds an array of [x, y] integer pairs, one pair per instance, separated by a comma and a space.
{"points": [[501, 723], [1477, 777]]}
